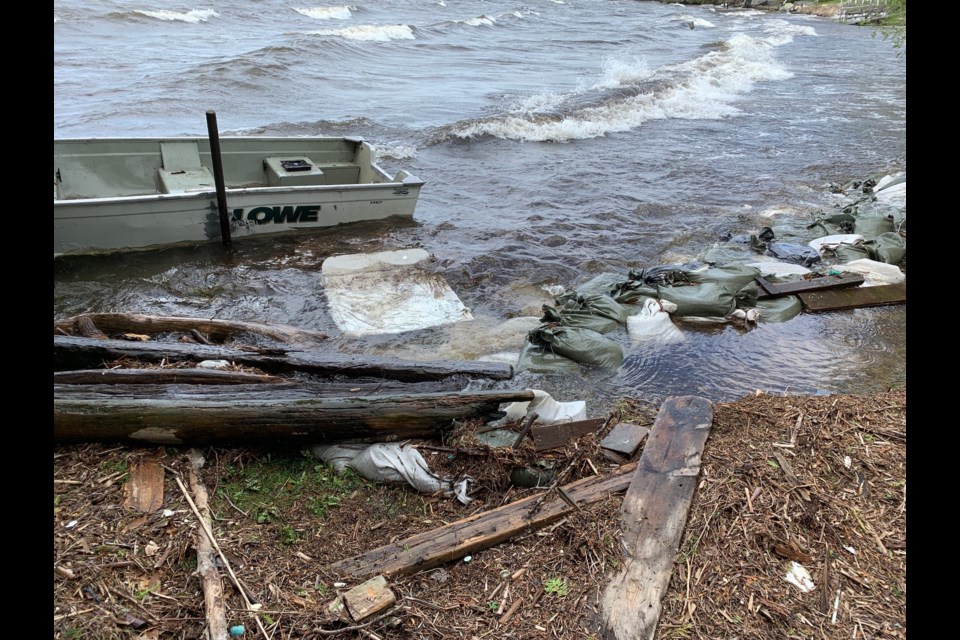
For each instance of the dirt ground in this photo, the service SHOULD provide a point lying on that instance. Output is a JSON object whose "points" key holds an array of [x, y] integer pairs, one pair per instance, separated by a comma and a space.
{"points": [[817, 481]]}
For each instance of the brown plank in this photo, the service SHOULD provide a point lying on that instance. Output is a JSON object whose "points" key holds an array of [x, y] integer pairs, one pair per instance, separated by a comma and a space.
{"points": [[551, 436], [653, 516], [480, 531], [769, 289], [144, 488], [880, 295], [161, 376], [368, 598], [625, 438]]}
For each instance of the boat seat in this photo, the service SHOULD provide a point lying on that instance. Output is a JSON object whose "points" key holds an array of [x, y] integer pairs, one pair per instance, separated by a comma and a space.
{"points": [[182, 171]]}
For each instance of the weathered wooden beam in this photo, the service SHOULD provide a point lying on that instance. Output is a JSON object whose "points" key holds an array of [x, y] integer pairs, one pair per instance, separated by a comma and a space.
{"points": [[85, 353], [480, 531], [769, 289], [216, 330], [286, 389], [179, 421], [364, 600], [551, 436], [653, 516], [877, 296], [161, 376]]}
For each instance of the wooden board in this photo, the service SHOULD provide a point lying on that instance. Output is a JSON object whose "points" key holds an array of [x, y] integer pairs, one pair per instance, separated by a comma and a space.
{"points": [[769, 289], [144, 488], [625, 438], [551, 436], [480, 531], [880, 295], [368, 598], [653, 516]]}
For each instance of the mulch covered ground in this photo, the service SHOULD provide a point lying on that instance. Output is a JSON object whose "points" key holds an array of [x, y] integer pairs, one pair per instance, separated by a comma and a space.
{"points": [[812, 487]]}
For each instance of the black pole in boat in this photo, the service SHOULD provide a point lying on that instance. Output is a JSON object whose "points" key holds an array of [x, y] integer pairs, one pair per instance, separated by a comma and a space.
{"points": [[218, 177]]}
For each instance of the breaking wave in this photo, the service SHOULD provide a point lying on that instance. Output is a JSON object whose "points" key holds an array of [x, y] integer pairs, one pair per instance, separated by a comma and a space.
{"points": [[370, 33], [328, 13], [194, 16]]}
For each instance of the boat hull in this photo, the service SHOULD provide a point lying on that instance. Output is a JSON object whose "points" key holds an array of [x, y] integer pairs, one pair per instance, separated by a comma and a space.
{"points": [[157, 206]]}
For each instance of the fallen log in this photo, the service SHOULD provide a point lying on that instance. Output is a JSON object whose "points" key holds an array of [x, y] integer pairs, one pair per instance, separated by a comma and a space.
{"points": [[71, 352], [307, 421], [653, 516], [88, 386], [212, 329], [161, 376], [481, 531], [216, 611]]}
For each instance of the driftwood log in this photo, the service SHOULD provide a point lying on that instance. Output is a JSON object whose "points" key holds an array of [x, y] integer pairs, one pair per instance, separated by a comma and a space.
{"points": [[653, 517], [98, 324], [203, 422], [71, 352], [481, 531]]}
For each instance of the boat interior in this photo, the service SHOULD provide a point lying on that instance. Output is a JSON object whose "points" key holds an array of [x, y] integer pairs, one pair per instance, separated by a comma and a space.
{"points": [[116, 168]]}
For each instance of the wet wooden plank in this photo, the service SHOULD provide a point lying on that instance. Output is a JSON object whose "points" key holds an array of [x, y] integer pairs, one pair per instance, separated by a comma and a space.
{"points": [[551, 436], [653, 516], [769, 289], [878, 296], [625, 438]]}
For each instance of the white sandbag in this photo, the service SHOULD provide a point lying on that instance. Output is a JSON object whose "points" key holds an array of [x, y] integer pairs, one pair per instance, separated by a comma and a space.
{"points": [[826, 243], [778, 269], [388, 292], [389, 462], [652, 324], [892, 190], [875, 273], [548, 410]]}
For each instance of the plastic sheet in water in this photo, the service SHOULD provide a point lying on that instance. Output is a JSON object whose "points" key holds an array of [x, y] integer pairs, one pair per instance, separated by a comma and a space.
{"points": [[388, 292]]}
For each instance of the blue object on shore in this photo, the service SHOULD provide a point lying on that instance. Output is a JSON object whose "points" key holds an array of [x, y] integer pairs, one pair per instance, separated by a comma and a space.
{"points": [[237, 630]]}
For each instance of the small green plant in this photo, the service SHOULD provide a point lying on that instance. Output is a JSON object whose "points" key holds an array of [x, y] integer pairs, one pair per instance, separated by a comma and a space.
{"points": [[287, 535], [556, 586], [266, 514], [73, 634], [493, 605], [320, 505]]}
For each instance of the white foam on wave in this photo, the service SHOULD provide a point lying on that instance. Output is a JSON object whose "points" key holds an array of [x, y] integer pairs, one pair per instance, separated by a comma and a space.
{"points": [[328, 13], [194, 16], [395, 150], [693, 21], [705, 88], [370, 33], [479, 21]]}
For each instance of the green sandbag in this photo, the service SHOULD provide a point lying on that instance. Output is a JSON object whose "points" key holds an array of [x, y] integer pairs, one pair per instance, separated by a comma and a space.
{"points": [[580, 345], [887, 247], [779, 309], [595, 304], [732, 276], [841, 223], [706, 300], [537, 359], [604, 284], [872, 226], [583, 318], [746, 296], [642, 283], [847, 252]]}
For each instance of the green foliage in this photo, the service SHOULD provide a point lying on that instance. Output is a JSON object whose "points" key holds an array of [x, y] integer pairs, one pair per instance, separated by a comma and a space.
{"points": [[556, 586], [287, 535]]}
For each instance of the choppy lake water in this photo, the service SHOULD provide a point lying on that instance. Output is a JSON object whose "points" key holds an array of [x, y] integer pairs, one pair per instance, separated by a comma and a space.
{"points": [[559, 140]]}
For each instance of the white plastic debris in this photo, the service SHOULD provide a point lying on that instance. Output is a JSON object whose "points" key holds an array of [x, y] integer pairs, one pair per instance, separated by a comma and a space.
{"points": [[892, 190], [827, 243], [548, 410], [388, 292], [390, 462], [213, 364], [167, 513], [776, 268], [654, 324], [875, 273], [797, 575], [847, 461]]}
